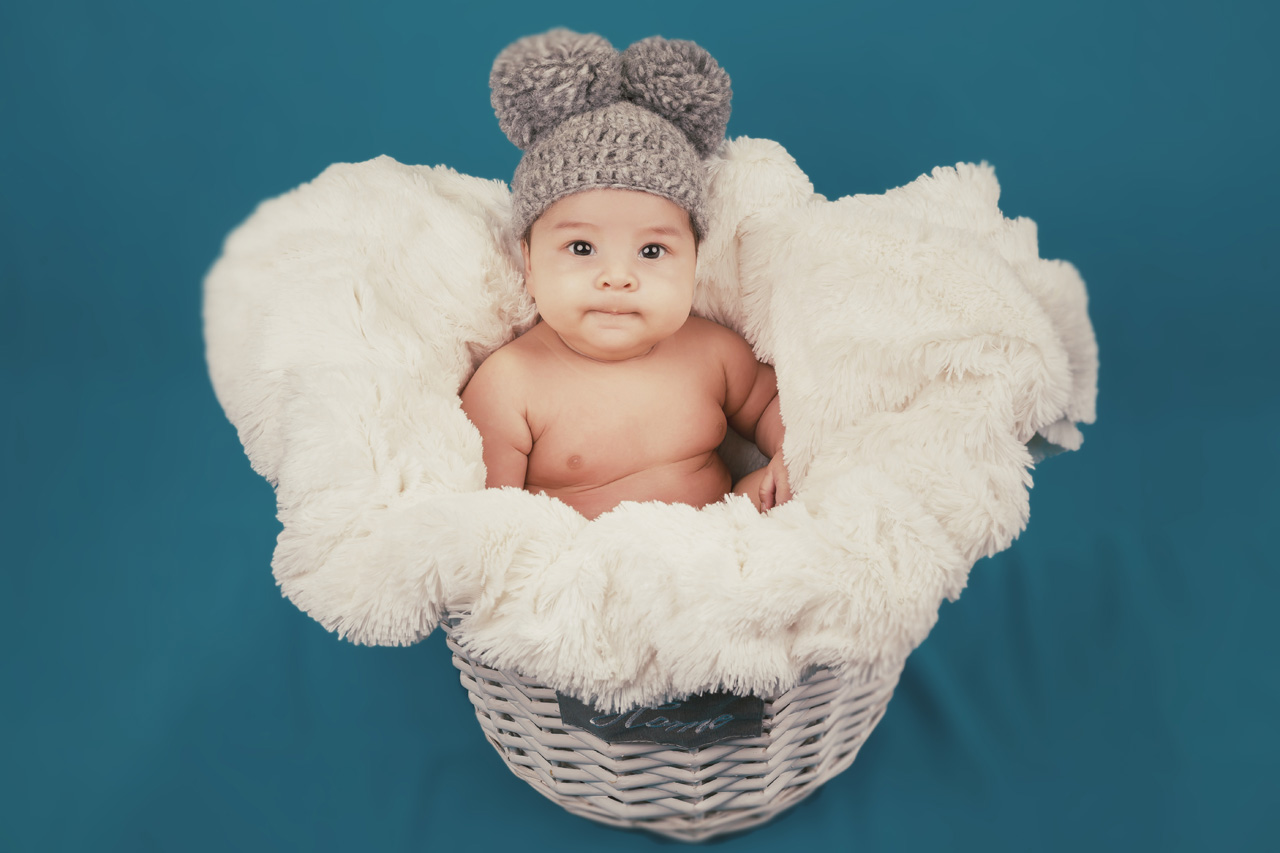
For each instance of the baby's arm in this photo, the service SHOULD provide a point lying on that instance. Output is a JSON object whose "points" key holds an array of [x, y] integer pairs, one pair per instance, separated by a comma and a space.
{"points": [[494, 402], [751, 404]]}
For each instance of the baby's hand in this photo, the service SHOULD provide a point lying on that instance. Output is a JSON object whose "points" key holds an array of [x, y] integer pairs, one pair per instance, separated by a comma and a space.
{"points": [[775, 486]]}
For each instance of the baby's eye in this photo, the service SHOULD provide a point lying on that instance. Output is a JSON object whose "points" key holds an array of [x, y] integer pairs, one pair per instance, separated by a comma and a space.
{"points": [[580, 247], [652, 252]]}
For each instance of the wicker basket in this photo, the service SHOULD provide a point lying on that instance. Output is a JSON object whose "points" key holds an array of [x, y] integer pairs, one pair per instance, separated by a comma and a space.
{"points": [[811, 733]]}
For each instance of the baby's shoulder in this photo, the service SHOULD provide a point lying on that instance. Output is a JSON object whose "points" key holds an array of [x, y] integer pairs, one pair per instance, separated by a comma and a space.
{"points": [[715, 339], [509, 367]]}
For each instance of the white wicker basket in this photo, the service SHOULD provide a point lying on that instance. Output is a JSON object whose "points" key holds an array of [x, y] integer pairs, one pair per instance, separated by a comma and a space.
{"points": [[811, 733]]}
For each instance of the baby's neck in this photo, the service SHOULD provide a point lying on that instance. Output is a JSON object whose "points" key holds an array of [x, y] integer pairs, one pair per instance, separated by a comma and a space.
{"points": [[570, 347]]}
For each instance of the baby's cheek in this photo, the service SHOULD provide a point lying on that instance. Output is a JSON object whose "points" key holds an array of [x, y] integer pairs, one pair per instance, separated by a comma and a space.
{"points": [[675, 316]]}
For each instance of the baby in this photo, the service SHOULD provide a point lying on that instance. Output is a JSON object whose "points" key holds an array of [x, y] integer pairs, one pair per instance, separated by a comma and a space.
{"points": [[617, 393]]}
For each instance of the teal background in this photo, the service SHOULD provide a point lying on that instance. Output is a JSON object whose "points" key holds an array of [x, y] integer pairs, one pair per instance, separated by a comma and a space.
{"points": [[1109, 683]]}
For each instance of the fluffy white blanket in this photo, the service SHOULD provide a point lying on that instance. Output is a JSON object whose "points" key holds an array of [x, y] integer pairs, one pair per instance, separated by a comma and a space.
{"points": [[920, 344]]}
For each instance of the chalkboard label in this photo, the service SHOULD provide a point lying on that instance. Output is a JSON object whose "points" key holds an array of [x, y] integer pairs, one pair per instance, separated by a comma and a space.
{"points": [[689, 724]]}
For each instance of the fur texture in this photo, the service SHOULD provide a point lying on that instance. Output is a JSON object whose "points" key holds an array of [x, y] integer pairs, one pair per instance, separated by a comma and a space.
{"points": [[919, 339]]}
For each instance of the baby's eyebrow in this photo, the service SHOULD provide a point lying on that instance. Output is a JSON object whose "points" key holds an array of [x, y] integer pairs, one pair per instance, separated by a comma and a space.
{"points": [[667, 230], [663, 230]]}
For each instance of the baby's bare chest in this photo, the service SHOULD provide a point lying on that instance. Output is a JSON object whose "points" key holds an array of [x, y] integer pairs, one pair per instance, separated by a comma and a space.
{"points": [[599, 428]]}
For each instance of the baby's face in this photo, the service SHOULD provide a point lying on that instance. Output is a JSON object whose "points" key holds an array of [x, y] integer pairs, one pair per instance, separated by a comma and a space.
{"points": [[612, 271]]}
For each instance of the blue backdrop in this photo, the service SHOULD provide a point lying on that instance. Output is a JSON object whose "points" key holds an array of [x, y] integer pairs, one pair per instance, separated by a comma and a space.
{"points": [[1108, 683]]}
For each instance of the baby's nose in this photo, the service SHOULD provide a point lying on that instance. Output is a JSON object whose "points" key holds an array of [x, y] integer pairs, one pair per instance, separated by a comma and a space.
{"points": [[618, 278]]}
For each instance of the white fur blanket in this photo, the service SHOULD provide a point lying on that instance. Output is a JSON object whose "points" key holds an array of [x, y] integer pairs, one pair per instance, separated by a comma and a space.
{"points": [[920, 342]]}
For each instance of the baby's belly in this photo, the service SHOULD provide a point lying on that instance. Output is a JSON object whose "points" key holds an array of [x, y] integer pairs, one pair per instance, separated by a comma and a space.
{"points": [[697, 482]]}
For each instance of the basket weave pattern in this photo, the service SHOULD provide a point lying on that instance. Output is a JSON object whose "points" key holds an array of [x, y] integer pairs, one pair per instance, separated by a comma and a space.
{"points": [[811, 733]]}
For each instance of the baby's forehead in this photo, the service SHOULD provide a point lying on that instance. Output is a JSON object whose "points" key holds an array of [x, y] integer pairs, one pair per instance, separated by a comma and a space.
{"points": [[603, 209]]}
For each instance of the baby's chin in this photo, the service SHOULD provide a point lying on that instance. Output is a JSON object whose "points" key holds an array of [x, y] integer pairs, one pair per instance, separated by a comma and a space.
{"points": [[610, 347]]}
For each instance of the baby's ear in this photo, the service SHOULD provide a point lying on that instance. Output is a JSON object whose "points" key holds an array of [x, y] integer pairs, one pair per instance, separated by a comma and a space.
{"points": [[524, 250]]}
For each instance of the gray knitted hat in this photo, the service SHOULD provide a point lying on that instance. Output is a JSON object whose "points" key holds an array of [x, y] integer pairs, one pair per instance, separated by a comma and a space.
{"points": [[587, 116]]}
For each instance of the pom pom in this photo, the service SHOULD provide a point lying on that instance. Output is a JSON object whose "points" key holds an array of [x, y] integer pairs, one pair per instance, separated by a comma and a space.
{"points": [[681, 82], [539, 81]]}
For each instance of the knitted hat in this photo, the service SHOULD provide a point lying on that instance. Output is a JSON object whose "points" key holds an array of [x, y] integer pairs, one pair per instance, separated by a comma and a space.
{"points": [[587, 117]]}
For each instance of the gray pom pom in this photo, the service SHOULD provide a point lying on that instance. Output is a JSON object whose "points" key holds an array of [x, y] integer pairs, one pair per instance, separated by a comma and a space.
{"points": [[681, 82], [539, 81]]}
